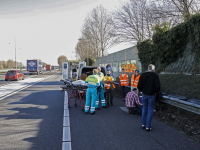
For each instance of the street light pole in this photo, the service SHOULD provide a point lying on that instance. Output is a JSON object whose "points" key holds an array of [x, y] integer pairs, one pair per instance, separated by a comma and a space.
{"points": [[78, 48], [87, 49], [87, 53], [15, 55]]}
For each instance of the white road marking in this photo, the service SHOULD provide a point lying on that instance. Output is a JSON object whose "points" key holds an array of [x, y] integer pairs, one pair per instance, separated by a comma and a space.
{"points": [[13, 88], [66, 113], [66, 134], [10, 82], [66, 99], [66, 122], [124, 109], [65, 106], [66, 144]]}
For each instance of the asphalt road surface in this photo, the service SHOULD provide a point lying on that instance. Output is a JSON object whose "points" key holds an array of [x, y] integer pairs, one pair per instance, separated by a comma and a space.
{"points": [[3, 82], [32, 119], [114, 129]]}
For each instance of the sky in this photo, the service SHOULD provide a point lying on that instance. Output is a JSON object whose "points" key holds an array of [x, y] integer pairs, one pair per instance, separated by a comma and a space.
{"points": [[45, 29]]}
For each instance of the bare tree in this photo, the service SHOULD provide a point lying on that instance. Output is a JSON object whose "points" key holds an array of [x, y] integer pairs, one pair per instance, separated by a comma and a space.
{"points": [[187, 7], [134, 21], [98, 32], [81, 49], [182, 9]]}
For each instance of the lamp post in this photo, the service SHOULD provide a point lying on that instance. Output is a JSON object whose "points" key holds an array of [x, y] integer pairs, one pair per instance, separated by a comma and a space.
{"points": [[87, 53], [15, 55], [87, 49], [78, 48]]}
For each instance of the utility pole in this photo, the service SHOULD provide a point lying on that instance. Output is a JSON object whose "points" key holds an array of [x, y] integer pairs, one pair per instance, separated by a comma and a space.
{"points": [[15, 55], [87, 49], [87, 53]]}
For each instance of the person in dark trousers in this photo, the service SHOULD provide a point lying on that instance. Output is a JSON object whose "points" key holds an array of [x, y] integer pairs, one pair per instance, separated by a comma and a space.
{"points": [[124, 83], [109, 84], [149, 85], [133, 103]]}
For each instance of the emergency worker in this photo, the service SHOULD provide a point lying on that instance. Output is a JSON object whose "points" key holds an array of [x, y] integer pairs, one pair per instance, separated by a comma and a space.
{"points": [[109, 84], [134, 80], [124, 83], [91, 94], [101, 90]]}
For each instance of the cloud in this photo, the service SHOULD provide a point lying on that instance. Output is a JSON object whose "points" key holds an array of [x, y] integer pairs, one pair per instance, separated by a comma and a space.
{"points": [[8, 7]]}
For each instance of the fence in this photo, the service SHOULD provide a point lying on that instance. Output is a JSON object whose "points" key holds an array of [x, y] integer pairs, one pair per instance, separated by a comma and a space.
{"points": [[127, 59]]}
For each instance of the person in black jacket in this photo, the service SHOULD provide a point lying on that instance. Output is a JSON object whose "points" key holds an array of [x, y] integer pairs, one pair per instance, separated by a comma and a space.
{"points": [[149, 85]]}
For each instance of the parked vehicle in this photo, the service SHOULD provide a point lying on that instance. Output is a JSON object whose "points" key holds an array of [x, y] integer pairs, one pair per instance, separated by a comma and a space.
{"points": [[14, 75], [85, 71], [48, 67], [70, 69], [52, 67], [34, 66]]}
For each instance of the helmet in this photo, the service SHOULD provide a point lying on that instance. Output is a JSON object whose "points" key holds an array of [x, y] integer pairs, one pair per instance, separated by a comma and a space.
{"points": [[137, 71]]}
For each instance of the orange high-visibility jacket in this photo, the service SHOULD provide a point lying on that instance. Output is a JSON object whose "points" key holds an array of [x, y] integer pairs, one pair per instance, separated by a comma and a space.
{"points": [[124, 80], [108, 84], [134, 81]]}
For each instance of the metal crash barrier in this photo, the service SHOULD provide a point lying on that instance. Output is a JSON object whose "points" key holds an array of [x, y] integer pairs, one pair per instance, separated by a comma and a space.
{"points": [[183, 104], [191, 105]]}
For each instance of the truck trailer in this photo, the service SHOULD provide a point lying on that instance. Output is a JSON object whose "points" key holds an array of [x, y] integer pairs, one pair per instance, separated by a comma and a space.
{"points": [[48, 67], [34, 66]]}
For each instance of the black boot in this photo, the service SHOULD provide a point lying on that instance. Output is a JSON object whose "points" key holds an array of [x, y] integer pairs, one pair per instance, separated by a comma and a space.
{"points": [[92, 113]]}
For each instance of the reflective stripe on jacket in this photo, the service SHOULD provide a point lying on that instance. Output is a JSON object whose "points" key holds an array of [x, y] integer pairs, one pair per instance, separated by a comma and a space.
{"points": [[101, 76], [124, 80], [134, 81], [108, 84], [92, 81]]}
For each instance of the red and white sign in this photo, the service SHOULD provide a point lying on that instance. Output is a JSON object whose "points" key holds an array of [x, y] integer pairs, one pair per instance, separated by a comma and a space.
{"points": [[32, 64]]}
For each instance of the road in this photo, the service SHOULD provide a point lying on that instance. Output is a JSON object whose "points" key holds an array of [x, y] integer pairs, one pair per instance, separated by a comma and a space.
{"points": [[32, 119], [3, 82]]}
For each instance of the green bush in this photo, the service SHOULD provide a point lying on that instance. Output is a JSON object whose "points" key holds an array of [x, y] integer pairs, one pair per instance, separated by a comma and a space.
{"points": [[180, 84], [167, 45]]}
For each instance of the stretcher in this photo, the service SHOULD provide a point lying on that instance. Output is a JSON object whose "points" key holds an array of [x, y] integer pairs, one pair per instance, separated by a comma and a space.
{"points": [[75, 89]]}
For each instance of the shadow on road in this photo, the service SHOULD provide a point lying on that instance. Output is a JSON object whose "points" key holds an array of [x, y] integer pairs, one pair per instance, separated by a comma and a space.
{"points": [[44, 110]]}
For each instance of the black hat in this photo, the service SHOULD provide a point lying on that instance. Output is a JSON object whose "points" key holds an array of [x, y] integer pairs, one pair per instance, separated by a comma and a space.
{"points": [[134, 89], [137, 71]]}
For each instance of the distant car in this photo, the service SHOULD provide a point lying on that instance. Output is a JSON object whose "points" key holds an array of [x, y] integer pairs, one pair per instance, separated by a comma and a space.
{"points": [[14, 75]]}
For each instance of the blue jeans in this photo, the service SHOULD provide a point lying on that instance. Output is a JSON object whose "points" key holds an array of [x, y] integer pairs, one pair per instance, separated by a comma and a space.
{"points": [[124, 91], [148, 107]]}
